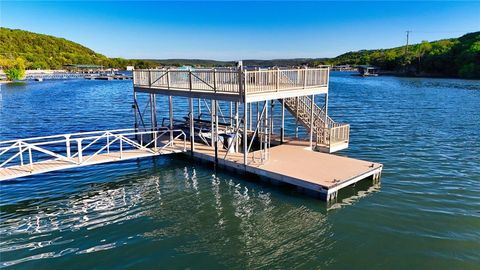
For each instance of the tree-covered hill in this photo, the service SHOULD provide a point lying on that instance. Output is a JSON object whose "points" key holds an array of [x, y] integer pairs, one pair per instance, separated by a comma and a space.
{"points": [[49, 52], [43, 51], [456, 57]]}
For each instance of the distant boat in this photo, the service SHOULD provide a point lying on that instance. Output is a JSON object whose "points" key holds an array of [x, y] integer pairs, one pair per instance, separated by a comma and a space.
{"points": [[365, 70], [39, 79]]}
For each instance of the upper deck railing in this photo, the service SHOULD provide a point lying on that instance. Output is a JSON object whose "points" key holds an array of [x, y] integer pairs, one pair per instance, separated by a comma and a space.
{"points": [[232, 81]]}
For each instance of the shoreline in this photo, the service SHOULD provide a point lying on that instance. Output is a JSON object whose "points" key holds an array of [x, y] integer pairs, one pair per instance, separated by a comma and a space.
{"points": [[426, 76]]}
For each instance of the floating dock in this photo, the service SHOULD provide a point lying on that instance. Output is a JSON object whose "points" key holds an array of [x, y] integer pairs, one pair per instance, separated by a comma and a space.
{"points": [[296, 164], [108, 77], [236, 119]]}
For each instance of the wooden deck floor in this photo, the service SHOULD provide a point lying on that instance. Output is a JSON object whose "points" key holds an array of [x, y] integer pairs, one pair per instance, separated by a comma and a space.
{"points": [[58, 164], [295, 164]]}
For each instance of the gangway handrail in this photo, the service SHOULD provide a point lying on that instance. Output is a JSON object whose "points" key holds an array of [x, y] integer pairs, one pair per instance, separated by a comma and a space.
{"points": [[119, 135]]}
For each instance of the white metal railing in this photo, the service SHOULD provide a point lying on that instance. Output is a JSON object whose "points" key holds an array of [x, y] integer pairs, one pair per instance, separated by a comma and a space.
{"points": [[80, 148], [285, 79], [328, 132], [210, 80], [231, 81]]}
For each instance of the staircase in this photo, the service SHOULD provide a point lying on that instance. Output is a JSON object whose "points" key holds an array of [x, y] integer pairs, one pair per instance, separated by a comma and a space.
{"points": [[330, 136]]}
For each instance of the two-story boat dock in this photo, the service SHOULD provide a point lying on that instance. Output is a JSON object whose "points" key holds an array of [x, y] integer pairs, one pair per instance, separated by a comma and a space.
{"points": [[236, 119]]}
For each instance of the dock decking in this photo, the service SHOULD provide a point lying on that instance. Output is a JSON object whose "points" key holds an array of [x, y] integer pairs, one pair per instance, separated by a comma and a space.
{"points": [[294, 163]]}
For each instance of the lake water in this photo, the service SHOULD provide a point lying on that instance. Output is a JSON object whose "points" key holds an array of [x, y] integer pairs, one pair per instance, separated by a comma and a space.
{"points": [[166, 212]]}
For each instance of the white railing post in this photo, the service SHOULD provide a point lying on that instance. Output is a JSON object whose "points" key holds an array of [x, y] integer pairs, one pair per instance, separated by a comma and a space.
{"points": [[214, 80], [149, 78], [30, 158], [21, 154], [121, 147], [305, 77], [67, 145], [79, 147], [278, 79], [168, 78], [108, 144], [155, 142], [190, 79]]}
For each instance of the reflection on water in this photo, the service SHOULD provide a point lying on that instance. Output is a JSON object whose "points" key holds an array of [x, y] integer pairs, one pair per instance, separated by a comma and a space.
{"points": [[215, 209]]}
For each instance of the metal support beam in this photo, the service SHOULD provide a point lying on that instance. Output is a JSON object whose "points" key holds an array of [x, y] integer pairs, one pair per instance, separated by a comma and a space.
{"points": [[297, 100], [170, 114], [212, 122], [282, 128], [265, 132], [326, 110], [237, 124], [272, 104], [192, 129], [199, 107], [153, 112], [215, 140], [135, 109], [312, 106], [250, 114], [231, 114], [245, 150]]}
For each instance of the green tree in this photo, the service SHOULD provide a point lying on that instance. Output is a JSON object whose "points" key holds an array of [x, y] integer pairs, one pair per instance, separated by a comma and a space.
{"points": [[14, 69]]}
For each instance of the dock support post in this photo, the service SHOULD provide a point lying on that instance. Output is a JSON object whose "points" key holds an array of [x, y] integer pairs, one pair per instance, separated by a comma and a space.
{"points": [[326, 110], [153, 111], [231, 114], [250, 115], [312, 120], [216, 132], [199, 108], [237, 126], [272, 104], [282, 128], [170, 116], [212, 122], [265, 133], [245, 149], [297, 100], [135, 109], [192, 129]]}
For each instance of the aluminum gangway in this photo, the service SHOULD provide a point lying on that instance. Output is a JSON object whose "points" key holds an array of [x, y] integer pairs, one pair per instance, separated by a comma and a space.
{"points": [[24, 157]]}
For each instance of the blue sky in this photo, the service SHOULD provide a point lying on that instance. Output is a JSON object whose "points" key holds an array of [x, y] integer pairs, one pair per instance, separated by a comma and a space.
{"points": [[240, 30]]}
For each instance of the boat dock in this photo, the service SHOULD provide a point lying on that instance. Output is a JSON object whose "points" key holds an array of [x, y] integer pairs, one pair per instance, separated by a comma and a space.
{"points": [[108, 77], [236, 120]]}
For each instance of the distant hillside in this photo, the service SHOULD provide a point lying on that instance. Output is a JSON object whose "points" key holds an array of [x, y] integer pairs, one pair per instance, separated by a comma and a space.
{"points": [[455, 57], [43, 51], [49, 52]]}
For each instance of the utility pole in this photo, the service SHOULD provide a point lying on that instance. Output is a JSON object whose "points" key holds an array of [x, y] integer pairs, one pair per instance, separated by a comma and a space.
{"points": [[406, 47]]}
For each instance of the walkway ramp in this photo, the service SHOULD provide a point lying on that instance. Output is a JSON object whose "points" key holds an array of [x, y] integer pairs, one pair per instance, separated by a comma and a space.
{"points": [[37, 155]]}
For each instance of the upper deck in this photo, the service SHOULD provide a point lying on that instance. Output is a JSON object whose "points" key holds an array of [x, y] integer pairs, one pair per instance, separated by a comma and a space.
{"points": [[233, 84]]}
